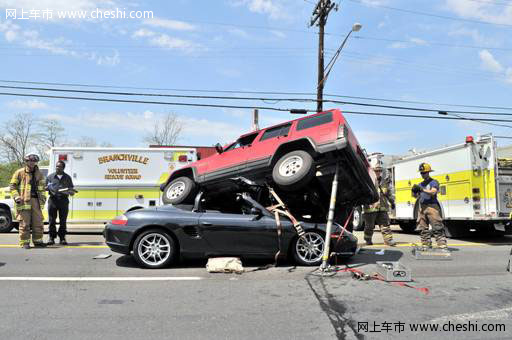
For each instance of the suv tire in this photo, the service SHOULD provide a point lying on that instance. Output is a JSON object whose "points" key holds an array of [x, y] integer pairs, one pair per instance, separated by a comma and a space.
{"points": [[293, 170], [181, 190]]}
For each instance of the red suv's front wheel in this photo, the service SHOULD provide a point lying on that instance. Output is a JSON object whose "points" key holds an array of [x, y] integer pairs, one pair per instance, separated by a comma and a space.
{"points": [[293, 170]]}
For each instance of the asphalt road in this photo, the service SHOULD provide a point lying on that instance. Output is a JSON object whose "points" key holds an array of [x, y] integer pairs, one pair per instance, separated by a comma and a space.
{"points": [[62, 292]]}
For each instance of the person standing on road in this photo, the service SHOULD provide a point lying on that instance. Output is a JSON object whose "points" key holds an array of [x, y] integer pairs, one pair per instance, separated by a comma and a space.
{"points": [[28, 191], [60, 186], [377, 213], [430, 210]]}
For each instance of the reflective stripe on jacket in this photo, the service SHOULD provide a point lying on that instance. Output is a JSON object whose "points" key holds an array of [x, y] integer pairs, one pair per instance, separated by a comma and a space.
{"points": [[384, 198], [20, 187]]}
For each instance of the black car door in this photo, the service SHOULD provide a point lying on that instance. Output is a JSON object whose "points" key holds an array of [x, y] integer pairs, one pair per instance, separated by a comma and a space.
{"points": [[239, 234]]}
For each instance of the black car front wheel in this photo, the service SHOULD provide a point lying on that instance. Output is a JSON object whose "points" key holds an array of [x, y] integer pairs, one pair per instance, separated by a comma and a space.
{"points": [[6, 224], [309, 248], [181, 190], [154, 249], [293, 170]]}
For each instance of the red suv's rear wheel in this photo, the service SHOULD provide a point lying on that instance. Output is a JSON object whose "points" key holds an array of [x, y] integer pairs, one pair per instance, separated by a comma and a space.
{"points": [[293, 170], [179, 190]]}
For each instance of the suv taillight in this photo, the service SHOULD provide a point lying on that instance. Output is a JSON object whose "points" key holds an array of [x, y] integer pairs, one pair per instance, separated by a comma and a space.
{"points": [[342, 131], [120, 220]]}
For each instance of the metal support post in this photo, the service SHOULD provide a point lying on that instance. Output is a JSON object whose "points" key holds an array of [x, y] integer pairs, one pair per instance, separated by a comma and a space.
{"points": [[330, 218]]}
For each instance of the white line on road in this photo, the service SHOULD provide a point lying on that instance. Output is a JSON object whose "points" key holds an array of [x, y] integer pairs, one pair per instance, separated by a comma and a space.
{"points": [[108, 278], [503, 313]]}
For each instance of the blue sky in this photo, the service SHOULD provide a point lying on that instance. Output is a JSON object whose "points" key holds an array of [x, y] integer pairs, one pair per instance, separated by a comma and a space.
{"points": [[263, 45]]}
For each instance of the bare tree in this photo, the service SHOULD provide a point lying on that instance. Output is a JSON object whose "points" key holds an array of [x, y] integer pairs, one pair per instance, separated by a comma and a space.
{"points": [[106, 145], [50, 134], [165, 132], [17, 137], [86, 141]]}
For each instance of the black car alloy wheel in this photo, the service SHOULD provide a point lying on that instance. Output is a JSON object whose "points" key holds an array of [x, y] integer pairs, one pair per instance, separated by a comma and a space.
{"points": [[309, 248], [154, 249]]}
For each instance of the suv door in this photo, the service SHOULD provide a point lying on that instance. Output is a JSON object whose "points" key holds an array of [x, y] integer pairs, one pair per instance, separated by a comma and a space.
{"points": [[266, 146], [232, 161]]}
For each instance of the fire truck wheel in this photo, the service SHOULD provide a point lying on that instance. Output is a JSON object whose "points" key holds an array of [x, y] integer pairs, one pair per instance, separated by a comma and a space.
{"points": [[6, 224], [181, 190], [293, 170]]}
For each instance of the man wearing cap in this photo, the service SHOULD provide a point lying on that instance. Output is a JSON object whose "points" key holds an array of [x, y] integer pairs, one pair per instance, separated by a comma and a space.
{"points": [[377, 213], [430, 210], [28, 191], [60, 186]]}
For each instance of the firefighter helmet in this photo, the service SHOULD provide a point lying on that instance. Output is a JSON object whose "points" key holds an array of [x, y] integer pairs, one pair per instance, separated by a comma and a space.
{"points": [[31, 158], [425, 167]]}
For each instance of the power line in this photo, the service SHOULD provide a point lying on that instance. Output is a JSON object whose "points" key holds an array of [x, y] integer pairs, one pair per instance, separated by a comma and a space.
{"points": [[248, 98], [249, 92], [432, 15], [245, 107]]}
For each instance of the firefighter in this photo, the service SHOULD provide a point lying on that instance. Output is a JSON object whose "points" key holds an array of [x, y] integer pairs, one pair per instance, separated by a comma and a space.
{"points": [[430, 210], [28, 191], [377, 213]]}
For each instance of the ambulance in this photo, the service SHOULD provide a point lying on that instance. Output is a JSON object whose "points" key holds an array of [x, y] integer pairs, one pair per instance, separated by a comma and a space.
{"points": [[109, 181], [475, 187]]}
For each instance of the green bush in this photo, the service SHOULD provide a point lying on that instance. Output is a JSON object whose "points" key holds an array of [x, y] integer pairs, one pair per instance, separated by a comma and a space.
{"points": [[6, 171]]}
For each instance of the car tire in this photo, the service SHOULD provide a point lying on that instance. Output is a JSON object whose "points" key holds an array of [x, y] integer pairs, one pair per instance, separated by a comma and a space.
{"points": [[181, 190], [357, 219], [6, 224], [154, 249], [293, 170], [308, 249]]}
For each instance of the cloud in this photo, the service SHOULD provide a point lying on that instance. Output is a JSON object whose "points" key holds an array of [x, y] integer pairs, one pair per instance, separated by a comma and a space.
{"points": [[165, 41], [366, 137], [32, 104], [418, 41], [273, 8], [279, 34], [480, 10], [170, 24], [508, 75], [60, 46], [489, 63], [193, 128], [238, 32], [398, 45]]}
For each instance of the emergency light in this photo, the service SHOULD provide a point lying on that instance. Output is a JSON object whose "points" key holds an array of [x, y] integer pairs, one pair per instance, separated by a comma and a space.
{"points": [[469, 139], [63, 158]]}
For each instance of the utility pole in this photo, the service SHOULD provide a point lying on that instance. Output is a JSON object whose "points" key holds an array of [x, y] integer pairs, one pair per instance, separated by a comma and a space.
{"points": [[255, 119], [319, 17]]}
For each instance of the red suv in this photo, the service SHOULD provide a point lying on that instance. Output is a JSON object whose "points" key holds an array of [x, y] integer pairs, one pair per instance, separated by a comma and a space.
{"points": [[289, 155]]}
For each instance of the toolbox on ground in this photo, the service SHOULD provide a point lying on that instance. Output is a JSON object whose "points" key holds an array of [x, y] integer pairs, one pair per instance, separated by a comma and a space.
{"points": [[393, 271]]}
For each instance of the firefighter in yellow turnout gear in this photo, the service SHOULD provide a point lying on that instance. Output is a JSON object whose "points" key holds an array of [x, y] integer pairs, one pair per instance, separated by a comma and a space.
{"points": [[377, 213], [28, 191]]}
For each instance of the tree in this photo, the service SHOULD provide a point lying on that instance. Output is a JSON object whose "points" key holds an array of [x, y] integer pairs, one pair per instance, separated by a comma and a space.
{"points": [[165, 131], [50, 134], [86, 141], [17, 137]]}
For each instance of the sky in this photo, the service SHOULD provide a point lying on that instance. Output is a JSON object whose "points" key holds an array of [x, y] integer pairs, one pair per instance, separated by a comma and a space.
{"points": [[438, 51]]}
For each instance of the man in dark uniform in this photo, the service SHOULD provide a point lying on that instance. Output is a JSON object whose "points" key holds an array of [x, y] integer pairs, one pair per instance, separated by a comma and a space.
{"points": [[60, 186], [430, 210]]}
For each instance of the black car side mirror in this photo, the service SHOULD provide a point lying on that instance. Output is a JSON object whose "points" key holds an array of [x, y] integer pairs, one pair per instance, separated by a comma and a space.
{"points": [[219, 148]]}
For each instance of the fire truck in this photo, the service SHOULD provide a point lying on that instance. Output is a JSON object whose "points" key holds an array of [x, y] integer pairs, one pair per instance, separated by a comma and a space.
{"points": [[475, 187]]}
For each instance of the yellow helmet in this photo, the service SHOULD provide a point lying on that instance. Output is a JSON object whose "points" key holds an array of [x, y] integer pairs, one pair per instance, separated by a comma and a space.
{"points": [[425, 167]]}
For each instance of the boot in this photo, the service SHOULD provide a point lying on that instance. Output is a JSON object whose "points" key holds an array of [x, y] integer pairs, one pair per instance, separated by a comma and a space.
{"points": [[63, 241], [368, 241], [26, 246], [390, 243], [51, 241], [39, 245]]}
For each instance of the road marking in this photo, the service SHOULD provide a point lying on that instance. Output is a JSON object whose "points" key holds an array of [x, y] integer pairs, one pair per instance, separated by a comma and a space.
{"points": [[414, 244], [504, 313], [108, 278], [53, 247]]}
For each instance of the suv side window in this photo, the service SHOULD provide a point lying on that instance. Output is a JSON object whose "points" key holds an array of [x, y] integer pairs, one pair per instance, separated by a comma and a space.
{"points": [[277, 131], [314, 121], [242, 141]]}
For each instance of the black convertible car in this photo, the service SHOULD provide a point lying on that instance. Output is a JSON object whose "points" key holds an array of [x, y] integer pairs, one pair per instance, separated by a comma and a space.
{"points": [[162, 235]]}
